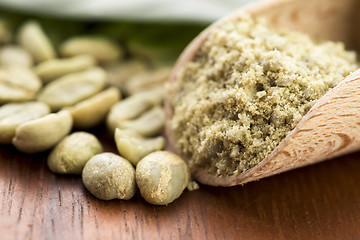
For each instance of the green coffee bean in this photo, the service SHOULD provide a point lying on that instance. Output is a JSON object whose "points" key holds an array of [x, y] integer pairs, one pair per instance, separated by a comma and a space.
{"points": [[32, 37], [56, 68], [147, 80], [18, 84], [14, 114], [92, 111], [43, 133], [13, 55], [120, 72], [71, 154], [103, 49], [73, 88], [108, 176], [149, 124], [161, 177], [132, 107], [134, 147]]}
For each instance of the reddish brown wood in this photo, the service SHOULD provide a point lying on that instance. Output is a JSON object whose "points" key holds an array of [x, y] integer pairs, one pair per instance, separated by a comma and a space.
{"points": [[317, 202]]}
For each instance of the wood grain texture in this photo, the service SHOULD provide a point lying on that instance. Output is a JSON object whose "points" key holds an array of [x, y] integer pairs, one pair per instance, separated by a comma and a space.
{"points": [[317, 202], [332, 126]]}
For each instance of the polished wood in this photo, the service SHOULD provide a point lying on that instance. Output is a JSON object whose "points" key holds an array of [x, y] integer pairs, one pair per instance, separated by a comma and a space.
{"points": [[332, 126], [320, 201], [317, 202]]}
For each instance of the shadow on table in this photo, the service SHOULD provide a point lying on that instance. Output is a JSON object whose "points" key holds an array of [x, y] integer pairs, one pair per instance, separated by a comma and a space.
{"points": [[322, 200]]}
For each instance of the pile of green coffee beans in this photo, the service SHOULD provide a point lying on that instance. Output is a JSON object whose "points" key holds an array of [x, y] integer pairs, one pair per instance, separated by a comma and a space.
{"points": [[47, 93]]}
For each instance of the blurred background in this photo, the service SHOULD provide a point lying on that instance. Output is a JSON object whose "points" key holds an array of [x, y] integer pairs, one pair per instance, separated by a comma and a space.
{"points": [[156, 29], [137, 10]]}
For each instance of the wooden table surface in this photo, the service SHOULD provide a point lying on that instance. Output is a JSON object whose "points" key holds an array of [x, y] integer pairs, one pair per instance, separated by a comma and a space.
{"points": [[316, 202]]}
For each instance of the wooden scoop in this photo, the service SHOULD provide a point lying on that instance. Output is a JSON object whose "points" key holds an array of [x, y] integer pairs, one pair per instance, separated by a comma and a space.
{"points": [[332, 126]]}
